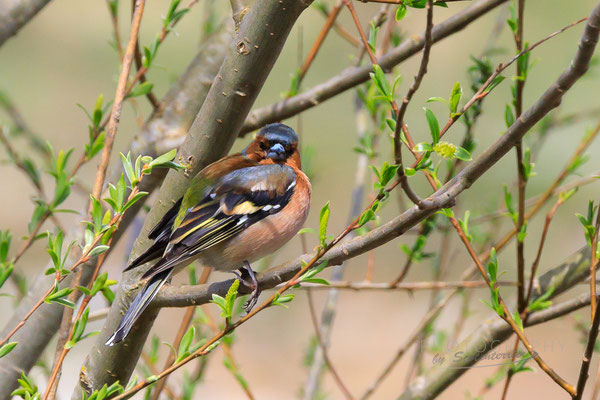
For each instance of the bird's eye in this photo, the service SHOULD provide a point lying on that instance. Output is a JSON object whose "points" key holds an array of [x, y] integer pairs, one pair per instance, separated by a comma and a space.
{"points": [[263, 145]]}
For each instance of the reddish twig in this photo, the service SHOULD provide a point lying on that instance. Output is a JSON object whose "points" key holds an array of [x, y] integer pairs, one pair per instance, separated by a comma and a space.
{"points": [[320, 39], [121, 92]]}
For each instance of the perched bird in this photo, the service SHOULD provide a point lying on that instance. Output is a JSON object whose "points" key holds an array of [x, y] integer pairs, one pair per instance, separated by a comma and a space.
{"points": [[235, 211]]}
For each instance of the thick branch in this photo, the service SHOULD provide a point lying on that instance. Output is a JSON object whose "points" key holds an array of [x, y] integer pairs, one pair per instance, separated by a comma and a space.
{"points": [[493, 332], [354, 76], [249, 59], [164, 131], [14, 14]]}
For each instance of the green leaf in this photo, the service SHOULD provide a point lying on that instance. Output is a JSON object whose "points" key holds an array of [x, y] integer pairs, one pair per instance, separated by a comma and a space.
{"points": [[455, 97], [307, 230], [462, 154], [7, 348], [437, 99], [128, 167], [323, 222], [401, 12], [495, 82], [185, 343], [509, 117], [281, 300], [141, 90], [422, 147], [378, 77], [96, 251], [518, 321], [434, 127], [169, 156], [133, 200]]}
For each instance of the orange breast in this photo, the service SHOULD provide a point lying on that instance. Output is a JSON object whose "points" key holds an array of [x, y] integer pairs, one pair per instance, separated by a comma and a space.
{"points": [[265, 236]]}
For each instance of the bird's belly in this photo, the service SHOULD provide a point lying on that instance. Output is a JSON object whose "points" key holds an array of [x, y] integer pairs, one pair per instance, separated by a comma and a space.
{"points": [[261, 238]]}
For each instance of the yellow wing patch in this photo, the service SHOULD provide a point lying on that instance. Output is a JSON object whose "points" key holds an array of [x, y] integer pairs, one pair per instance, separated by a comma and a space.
{"points": [[247, 207]]}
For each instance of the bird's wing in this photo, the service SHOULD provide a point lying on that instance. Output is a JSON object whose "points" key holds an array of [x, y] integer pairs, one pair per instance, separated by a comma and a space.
{"points": [[200, 186], [238, 200]]}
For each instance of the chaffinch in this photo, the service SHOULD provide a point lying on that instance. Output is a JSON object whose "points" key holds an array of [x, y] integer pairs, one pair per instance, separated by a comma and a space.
{"points": [[236, 211]]}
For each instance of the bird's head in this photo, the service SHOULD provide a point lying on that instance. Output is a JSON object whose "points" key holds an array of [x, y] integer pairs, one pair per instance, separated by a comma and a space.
{"points": [[275, 143]]}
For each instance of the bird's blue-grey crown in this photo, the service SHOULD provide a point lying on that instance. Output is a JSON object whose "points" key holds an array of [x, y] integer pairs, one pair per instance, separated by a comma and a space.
{"points": [[279, 133]]}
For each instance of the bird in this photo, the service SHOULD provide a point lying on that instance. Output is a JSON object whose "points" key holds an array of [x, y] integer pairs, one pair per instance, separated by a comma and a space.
{"points": [[235, 211]]}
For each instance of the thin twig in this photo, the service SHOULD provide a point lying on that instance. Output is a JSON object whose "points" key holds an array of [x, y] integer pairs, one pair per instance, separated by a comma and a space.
{"points": [[334, 373], [340, 29], [522, 180], [115, 116], [320, 39], [587, 355], [185, 323]]}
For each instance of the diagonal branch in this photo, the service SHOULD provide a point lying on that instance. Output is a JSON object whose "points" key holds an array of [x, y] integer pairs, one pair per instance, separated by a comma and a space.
{"points": [[354, 76], [494, 332], [15, 14], [550, 99]]}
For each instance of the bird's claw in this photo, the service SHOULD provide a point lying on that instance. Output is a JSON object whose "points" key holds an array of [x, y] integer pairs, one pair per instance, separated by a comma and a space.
{"points": [[251, 283]]}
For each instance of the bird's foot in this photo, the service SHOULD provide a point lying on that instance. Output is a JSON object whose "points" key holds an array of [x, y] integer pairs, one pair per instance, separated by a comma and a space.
{"points": [[248, 278]]}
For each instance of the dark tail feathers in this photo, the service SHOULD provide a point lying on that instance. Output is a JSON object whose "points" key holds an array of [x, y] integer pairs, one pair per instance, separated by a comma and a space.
{"points": [[137, 307]]}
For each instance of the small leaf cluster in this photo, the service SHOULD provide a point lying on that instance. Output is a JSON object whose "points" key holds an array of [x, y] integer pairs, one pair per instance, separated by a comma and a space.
{"points": [[588, 223], [54, 249], [101, 285], [105, 392], [226, 303], [95, 132], [492, 273], [323, 223], [542, 302], [6, 265], [366, 145], [310, 276], [62, 188], [443, 149], [186, 346], [386, 92], [78, 330], [280, 300], [453, 101], [171, 18], [384, 176], [514, 216], [59, 296], [415, 253], [520, 366], [27, 390]]}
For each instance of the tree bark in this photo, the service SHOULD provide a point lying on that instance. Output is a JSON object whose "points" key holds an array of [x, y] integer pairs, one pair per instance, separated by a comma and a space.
{"points": [[14, 14], [249, 59], [163, 131]]}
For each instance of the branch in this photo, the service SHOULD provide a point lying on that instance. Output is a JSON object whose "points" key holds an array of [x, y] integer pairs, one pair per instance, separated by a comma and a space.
{"points": [[354, 76], [589, 349], [492, 333], [163, 131], [248, 61], [15, 14], [172, 297]]}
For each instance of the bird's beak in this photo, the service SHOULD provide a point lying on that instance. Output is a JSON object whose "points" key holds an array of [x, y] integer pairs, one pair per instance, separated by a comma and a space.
{"points": [[277, 152]]}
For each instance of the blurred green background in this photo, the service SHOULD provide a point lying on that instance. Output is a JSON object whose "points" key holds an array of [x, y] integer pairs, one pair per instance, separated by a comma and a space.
{"points": [[64, 57]]}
